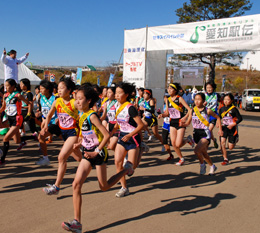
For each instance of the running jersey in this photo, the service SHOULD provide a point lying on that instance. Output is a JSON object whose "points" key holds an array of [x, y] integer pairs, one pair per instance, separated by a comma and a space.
{"points": [[27, 95], [166, 120], [111, 111], [13, 104], [46, 107], [67, 114], [140, 102], [212, 101], [197, 123], [89, 132], [173, 112], [229, 115], [149, 110], [125, 118]]}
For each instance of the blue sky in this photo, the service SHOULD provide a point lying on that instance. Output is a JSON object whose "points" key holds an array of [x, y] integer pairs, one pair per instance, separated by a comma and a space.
{"points": [[80, 32]]}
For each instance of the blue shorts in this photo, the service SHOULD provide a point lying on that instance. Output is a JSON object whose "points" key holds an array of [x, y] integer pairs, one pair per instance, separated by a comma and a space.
{"points": [[68, 133], [132, 143]]}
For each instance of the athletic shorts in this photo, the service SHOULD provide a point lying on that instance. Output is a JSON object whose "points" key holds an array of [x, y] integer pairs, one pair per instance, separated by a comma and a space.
{"points": [[151, 121], [132, 143], [98, 160], [54, 129], [165, 136], [140, 113], [230, 134], [175, 123], [69, 133], [110, 128], [213, 120], [15, 120], [201, 133]]}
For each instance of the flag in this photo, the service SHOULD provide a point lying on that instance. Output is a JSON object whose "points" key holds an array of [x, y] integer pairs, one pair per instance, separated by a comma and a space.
{"points": [[52, 78], [110, 81], [79, 76]]}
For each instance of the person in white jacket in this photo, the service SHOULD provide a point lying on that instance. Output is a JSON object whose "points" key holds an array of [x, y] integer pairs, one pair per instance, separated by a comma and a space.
{"points": [[11, 64]]}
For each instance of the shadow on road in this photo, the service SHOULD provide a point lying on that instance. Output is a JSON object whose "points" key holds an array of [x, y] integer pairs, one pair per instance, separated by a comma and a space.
{"points": [[190, 204]]}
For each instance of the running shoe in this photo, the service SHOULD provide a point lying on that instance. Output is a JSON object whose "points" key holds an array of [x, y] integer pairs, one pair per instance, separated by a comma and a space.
{"points": [[129, 167], [225, 162], [215, 143], [51, 190], [163, 149], [122, 192], [191, 141], [181, 162], [212, 170], [2, 164], [170, 158], [72, 225], [22, 144], [203, 169], [150, 138], [144, 147], [43, 162], [35, 134]]}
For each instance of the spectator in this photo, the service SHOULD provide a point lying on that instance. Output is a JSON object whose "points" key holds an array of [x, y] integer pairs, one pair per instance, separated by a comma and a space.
{"points": [[11, 64]]}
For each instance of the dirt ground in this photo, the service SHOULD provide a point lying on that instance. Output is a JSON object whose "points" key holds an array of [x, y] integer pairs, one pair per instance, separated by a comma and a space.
{"points": [[164, 197]]}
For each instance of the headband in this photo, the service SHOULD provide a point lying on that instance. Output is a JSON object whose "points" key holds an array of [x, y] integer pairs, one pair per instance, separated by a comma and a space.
{"points": [[173, 86], [148, 92]]}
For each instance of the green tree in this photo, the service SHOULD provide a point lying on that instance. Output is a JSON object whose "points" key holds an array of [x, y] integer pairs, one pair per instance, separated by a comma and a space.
{"points": [[200, 10]]}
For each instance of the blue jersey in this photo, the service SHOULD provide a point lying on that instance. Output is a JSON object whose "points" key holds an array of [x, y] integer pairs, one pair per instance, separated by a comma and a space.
{"points": [[46, 107]]}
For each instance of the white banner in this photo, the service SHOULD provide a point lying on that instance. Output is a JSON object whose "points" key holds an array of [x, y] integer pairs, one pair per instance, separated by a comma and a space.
{"points": [[134, 56], [213, 36]]}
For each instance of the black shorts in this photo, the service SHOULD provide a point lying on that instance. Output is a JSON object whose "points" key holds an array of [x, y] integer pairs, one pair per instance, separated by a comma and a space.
{"points": [[151, 121], [165, 136], [176, 124], [98, 160], [201, 133], [110, 128], [69, 133], [54, 129], [213, 120], [15, 120], [132, 143], [140, 113], [230, 134]]}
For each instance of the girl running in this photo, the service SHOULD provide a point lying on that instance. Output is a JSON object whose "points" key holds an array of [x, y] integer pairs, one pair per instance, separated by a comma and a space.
{"points": [[230, 119], [68, 116], [93, 138], [178, 121], [201, 132], [13, 108], [110, 113], [149, 117], [27, 112], [46, 101], [211, 102], [166, 130], [129, 139]]}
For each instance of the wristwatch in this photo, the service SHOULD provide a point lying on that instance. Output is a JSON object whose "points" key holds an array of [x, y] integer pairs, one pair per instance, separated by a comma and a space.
{"points": [[100, 152]]}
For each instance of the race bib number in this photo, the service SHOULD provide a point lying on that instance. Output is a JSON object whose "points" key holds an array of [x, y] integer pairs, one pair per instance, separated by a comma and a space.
{"points": [[90, 140], [65, 120], [45, 111], [126, 128], [111, 116], [167, 120], [11, 110], [148, 114], [174, 113], [197, 124], [227, 120]]}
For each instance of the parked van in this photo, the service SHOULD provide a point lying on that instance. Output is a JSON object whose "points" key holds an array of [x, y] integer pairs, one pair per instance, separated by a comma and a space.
{"points": [[251, 99]]}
